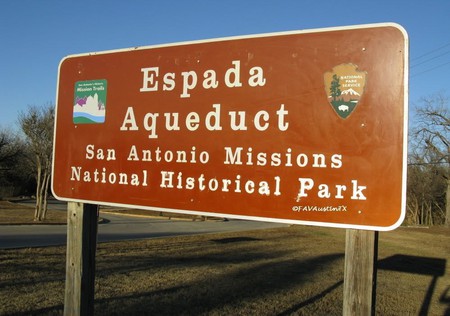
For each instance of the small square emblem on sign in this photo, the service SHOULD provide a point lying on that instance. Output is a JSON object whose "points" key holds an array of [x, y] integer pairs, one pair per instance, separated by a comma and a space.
{"points": [[90, 102]]}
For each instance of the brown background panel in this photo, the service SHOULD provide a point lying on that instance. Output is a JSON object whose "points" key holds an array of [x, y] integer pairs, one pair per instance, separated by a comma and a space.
{"points": [[370, 140]]}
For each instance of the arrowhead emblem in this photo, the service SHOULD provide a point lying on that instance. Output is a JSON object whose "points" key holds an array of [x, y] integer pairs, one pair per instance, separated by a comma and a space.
{"points": [[344, 87]]}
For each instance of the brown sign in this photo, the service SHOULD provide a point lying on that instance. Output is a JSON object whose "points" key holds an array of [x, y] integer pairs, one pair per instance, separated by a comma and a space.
{"points": [[300, 127]]}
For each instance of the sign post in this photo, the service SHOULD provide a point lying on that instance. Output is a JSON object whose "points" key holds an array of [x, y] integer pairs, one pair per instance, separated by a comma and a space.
{"points": [[304, 127], [361, 251], [80, 262]]}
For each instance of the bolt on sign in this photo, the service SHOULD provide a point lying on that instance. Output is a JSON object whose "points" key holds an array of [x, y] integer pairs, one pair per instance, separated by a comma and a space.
{"points": [[303, 127]]}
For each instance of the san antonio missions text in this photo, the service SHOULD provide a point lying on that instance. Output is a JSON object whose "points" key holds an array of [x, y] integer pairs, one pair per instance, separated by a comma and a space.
{"points": [[178, 180]]}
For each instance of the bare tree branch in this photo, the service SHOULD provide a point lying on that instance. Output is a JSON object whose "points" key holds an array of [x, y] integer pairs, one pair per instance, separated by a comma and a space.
{"points": [[37, 125], [431, 140]]}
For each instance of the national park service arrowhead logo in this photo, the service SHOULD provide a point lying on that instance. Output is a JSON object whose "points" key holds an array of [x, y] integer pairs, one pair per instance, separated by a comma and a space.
{"points": [[344, 86]]}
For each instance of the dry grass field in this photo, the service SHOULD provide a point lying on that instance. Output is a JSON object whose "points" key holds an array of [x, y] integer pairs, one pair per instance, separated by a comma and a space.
{"points": [[287, 271]]}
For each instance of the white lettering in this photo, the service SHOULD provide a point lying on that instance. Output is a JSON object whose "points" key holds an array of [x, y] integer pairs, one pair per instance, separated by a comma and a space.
{"points": [[189, 82], [129, 119], [149, 81], [232, 76]]}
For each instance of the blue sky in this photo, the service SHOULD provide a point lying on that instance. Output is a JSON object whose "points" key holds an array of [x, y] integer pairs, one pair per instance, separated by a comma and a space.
{"points": [[36, 35]]}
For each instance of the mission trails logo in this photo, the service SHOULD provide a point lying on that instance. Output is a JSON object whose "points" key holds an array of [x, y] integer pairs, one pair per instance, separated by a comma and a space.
{"points": [[90, 102]]}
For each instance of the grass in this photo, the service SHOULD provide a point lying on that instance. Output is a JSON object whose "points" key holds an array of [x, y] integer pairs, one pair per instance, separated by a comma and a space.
{"points": [[287, 271], [18, 214]]}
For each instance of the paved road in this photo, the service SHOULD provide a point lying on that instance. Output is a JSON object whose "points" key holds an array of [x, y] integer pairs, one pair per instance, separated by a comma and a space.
{"points": [[121, 227]]}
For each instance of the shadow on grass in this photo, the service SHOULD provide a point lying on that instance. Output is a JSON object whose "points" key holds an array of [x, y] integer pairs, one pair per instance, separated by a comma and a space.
{"points": [[434, 267], [445, 299], [225, 293], [311, 300], [47, 311]]}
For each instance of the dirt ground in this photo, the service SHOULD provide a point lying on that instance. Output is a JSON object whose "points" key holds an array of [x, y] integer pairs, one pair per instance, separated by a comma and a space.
{"points": [[288, 271]]}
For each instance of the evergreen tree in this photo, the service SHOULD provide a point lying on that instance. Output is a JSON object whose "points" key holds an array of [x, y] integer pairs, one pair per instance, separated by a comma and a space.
{"points": [[335, 90]]}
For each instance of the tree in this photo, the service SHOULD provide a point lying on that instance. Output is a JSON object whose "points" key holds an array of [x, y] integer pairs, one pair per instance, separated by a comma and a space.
{"points": [[425, 193], [432, 141], [37, 125], [335, 90], [11, 153], [8, 148]]}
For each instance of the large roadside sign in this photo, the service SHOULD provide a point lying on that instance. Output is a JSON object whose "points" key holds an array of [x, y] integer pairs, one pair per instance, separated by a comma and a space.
{"points": [[305, 127]]}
